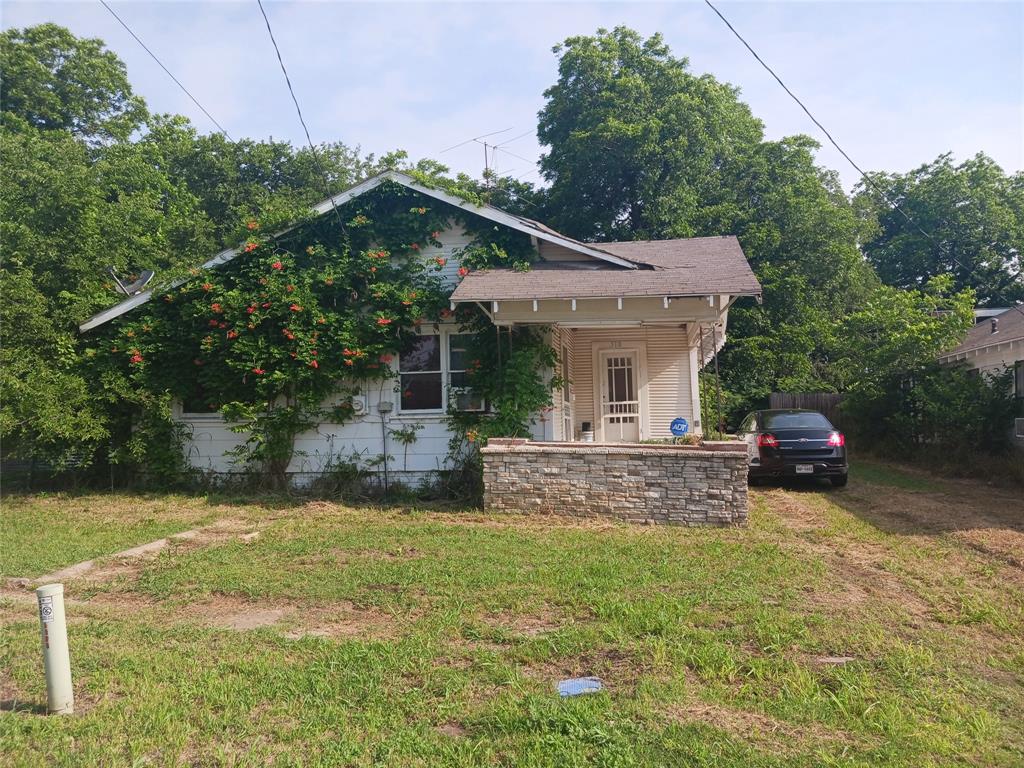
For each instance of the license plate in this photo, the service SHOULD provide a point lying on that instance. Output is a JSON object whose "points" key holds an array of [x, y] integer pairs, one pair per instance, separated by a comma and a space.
{"points": [[805, 469]]}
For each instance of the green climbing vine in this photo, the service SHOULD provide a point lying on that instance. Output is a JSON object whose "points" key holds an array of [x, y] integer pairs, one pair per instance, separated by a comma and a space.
{"points": [[278, 339]]}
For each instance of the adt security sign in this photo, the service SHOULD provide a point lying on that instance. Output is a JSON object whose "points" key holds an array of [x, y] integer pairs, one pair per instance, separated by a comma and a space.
{"points": [[679, 427]]}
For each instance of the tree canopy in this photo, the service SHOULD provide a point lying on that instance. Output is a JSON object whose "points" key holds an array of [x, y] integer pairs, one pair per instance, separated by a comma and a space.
{"points": [[56, 81], [638, 147], [972, 215], [636, 142]]}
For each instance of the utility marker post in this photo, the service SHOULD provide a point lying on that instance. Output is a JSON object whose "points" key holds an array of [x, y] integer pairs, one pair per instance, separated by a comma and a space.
{"points": [[60, 697]]}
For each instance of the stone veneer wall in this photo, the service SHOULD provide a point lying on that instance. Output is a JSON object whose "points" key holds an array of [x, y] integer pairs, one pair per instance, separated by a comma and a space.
{"points": [[679, 485]]}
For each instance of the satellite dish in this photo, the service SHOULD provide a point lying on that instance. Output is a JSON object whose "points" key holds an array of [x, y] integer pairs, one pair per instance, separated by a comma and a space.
{"points": [[135, 287]]}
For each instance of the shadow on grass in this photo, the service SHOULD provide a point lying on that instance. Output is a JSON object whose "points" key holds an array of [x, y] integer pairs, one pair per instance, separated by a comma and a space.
{"points": [[899, 500], [17, 705]]}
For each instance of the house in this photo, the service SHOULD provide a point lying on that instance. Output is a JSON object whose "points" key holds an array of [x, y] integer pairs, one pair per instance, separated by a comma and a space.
{"points": [[993, 345], [632, 324]]}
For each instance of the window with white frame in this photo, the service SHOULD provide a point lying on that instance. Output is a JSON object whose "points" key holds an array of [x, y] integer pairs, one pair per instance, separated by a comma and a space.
{"points": [[432, 373]]}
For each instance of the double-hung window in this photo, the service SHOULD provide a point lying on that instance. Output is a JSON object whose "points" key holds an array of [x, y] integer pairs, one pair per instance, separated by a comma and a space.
{"points": [[432, 374]]}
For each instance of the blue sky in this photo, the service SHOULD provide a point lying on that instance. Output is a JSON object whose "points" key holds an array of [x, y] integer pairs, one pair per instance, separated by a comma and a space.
{"points": [[896, 83]]}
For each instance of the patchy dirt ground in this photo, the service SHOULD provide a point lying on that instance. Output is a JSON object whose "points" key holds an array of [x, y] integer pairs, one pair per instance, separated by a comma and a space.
{"points": [[893, 606]]}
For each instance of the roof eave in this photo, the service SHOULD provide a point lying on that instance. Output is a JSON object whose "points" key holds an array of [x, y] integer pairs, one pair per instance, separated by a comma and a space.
{"points": [[456, 299], [488, 212]]}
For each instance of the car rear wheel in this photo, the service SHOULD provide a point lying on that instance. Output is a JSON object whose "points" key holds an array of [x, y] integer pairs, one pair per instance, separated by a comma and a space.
{"points": [[839, 481]]}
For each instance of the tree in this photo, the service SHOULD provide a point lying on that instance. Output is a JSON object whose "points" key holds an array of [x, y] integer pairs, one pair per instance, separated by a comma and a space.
{"points": [[234, 179], [899, 332], [641, 148], [899, 399], [636, 141], [56, 81], [973, 214]]}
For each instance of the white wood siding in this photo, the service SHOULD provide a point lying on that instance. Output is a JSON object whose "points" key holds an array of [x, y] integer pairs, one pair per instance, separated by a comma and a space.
{"points": [[452, 240], [668, 376]]}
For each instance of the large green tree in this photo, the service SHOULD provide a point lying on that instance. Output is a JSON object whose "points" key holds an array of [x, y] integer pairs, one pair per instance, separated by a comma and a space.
{"points": [[639, 147], [972, 217], [636, 142], [86, 184], [57, 81]]}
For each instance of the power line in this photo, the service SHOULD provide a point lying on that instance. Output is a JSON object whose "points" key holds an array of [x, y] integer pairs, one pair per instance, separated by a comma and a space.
{"points": [[475, 138], [309, 140], [514, 138], [864, 175], [165, 69], [498, 148], [814, 120]]}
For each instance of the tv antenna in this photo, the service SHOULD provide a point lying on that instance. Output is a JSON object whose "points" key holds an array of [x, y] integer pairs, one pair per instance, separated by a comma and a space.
{"points": [[489, 149], [134, 287]]}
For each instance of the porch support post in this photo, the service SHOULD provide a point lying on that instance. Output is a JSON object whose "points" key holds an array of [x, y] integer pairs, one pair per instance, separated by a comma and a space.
{"points": [[718, 380], [497, 335]]}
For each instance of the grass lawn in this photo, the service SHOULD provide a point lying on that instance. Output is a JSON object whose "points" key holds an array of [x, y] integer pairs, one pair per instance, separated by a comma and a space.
{"points": [[879, 624]]}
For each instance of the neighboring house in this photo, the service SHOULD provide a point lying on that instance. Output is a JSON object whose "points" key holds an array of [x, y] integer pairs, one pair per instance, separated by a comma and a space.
{"points": [[993, 345], [632, 324]]}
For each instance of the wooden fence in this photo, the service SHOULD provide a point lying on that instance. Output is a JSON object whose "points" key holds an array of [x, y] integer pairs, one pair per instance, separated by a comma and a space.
{"points": [[826, 403]]}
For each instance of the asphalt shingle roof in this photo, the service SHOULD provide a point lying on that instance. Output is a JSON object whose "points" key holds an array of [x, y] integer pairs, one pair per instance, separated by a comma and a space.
{"points": [[696, 266], [1011, 328]]}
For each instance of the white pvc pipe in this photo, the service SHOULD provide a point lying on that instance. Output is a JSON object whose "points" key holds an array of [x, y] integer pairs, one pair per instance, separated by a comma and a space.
{"points": [[60, 697]]}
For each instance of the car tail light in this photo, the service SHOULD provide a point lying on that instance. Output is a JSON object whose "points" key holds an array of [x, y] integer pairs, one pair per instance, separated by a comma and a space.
{"points": [[836, 440], [767, 440]]}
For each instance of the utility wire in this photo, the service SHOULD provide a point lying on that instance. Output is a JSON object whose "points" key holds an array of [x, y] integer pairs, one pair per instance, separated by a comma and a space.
{"points": [[514, 138], [870, 182], [165, 69], [475, 138], [499, 148], [309, 140]]}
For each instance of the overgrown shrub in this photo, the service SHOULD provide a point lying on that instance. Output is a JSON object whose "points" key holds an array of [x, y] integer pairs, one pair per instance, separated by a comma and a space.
{"points": [[950, 414]]}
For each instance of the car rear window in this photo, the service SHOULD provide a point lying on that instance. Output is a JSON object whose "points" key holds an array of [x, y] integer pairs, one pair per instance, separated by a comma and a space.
{"points": [[809, 420]]}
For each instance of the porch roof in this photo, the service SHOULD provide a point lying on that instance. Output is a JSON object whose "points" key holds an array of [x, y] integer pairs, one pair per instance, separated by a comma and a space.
{"points": [[698, 266]]}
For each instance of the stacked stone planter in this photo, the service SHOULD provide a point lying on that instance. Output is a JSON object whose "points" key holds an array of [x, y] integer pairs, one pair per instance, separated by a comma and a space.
{"points": [[673, 484]]}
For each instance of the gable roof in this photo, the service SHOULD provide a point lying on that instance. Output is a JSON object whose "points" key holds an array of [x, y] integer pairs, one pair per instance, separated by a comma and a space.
{"points": [[1011, 328], [698, 266], [518, 223]]}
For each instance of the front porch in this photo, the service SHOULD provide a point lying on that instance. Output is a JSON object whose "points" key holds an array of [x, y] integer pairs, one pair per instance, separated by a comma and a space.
{"points": [[626, 384], [631, 324]]}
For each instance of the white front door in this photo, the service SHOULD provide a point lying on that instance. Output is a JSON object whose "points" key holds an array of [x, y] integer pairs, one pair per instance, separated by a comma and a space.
{"points": [[620, 396]]}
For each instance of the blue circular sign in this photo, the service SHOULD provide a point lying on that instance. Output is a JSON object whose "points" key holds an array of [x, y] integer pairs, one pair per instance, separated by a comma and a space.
{"points": [[679, 426]]}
